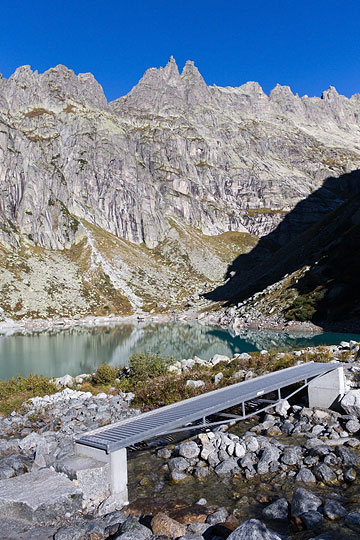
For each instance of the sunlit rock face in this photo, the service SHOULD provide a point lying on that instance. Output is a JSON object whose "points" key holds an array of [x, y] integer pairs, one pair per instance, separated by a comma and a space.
{"points": [[174, 150]]}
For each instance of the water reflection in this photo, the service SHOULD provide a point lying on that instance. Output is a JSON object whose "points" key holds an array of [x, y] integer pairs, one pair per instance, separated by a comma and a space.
{"points": [[81, 350]]}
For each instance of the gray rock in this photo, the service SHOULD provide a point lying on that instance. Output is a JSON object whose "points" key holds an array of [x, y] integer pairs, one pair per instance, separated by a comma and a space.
{"points": [[39, 497], [352, 426], [132, 527], [111, 504], [323, 473], [201, 472], [353, 518], [28, 444], [333, 510], [239, 450], [270, 455], [350, 475], [189, 450], [253, 529], [178, 476], [195, 384], [217, 358], [311, 519], [178, 464], [191, 537], [304, 501], [351, 403], [291, 456], [229, 466], [277, 511], [132, 535], [73, 532], [164, 453], [306, 476], [213, 459], [219, 516], [198, 528], [282, 407], [347, 456], [287, 427]]}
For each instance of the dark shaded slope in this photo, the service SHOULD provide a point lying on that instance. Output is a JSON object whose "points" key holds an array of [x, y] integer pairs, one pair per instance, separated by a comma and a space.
{"points": [[323, 233]]}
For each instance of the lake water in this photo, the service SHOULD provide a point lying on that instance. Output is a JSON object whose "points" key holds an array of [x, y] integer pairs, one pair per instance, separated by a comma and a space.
{"points": [[81, 350]]}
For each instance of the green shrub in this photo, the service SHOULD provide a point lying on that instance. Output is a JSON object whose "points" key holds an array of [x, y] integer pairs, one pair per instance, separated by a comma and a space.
{"points": [[148, 365], [106, 374]]}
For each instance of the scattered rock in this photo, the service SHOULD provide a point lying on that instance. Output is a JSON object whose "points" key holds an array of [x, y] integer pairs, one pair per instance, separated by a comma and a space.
{"points": [[189, 450], [333, 510], [253, 529], [161, 524], [304, 501], [277, 511]]}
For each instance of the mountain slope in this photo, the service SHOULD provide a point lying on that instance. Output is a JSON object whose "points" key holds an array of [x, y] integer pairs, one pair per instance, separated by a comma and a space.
{"points": [[177, 177]]}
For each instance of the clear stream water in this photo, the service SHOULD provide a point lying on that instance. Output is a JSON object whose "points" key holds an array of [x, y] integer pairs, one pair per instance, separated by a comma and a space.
{"points": [[81, 350]]}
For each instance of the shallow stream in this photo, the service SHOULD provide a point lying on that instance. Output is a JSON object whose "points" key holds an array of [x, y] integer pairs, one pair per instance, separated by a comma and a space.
{"points": [[147, 479]]}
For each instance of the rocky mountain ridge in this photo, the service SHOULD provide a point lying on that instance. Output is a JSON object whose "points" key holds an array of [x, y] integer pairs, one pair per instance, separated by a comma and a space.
{"points": [[151, 196]]}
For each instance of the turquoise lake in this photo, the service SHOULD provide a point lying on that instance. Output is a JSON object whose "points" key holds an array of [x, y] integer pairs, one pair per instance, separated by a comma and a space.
{"points": [[81, 350]]}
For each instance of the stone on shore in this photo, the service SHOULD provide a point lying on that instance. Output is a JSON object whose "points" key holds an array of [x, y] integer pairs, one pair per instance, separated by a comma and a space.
{"points": [[351, 403], [304, 501], [282, 407], [161, 524], [189, 450], [195, 384], [40, 497], [333, 510], [253, 529], [306, 476], [277, 511]]}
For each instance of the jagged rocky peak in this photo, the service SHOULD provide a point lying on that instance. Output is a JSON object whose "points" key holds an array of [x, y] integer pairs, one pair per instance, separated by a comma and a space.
{"points": [[331, 94], [287, 102], [196, 89], [164, 90], [254, 89], [53, 88]]}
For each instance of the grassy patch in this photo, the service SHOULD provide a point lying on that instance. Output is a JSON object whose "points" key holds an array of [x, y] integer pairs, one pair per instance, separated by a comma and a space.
{"points": [[16, 390], [256, 211], [34, 113]]}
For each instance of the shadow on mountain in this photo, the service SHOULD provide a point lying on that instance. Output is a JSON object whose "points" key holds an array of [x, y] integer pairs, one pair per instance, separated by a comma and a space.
{"points": [[322, 232]]}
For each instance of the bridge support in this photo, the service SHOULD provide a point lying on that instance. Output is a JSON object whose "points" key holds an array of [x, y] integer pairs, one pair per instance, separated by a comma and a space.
{"points": [[116, 463], [326, 390]]}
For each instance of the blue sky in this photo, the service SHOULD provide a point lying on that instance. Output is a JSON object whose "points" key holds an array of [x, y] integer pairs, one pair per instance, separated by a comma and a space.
{"points": [[307, 44]]}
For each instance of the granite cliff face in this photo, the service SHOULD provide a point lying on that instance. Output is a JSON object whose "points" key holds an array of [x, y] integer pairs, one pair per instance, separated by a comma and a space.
{"points": [[121, 206]]}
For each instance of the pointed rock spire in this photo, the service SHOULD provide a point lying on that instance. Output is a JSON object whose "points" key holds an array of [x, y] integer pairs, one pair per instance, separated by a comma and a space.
{"points": [[330, 94], [171, 70]]}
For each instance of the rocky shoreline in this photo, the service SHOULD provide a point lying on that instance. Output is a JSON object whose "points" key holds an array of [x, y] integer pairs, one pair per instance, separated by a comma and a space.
{"points": [[227, 319], [319, 459]]}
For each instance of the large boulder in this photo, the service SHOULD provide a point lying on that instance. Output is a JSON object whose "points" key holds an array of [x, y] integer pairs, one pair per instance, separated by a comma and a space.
{"points": [[40, 497], [253, 529], [351, 403], [304, 501]]}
